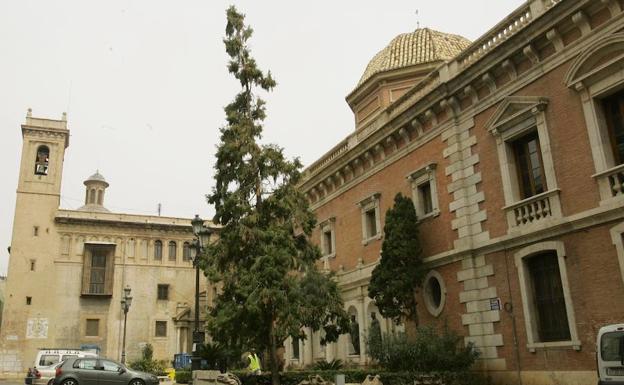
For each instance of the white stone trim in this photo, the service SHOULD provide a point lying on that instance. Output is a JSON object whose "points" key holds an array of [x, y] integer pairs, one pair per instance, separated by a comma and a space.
{"points": [[594, 83], [367, 204], [527, 304], [516, 116], [426, 174], [431, 307], [617, 236]]}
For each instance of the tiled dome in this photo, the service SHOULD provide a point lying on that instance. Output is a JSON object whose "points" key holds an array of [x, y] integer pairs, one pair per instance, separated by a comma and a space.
{"points": [[424, 45]]}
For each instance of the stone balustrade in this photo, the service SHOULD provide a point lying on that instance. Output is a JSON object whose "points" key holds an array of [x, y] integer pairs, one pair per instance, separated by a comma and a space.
{"points": [[533, 209]]}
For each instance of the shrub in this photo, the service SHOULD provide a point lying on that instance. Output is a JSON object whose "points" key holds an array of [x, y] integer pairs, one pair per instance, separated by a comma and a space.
{"points": [[429, 352], [334, 364], [359, 375], [149, 365], [182, 376]]}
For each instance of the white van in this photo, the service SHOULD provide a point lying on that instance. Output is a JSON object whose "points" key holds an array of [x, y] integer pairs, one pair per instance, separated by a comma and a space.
{"points": [[610, 355], [48, 357]]}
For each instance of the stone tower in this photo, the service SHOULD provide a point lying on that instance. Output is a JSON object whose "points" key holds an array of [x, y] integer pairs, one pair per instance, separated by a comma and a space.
{"points": [[34, 243]]}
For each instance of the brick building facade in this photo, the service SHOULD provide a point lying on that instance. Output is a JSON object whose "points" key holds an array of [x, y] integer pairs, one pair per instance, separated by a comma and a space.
{"points": [[512, 148]]}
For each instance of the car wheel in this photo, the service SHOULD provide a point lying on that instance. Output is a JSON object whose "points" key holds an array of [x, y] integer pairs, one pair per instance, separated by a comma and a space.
{"points": [[137, 381], [69, 381], [51, 381]]}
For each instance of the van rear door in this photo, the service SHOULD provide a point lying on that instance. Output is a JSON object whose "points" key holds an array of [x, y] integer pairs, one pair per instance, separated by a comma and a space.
{"points": [[611, 354]]}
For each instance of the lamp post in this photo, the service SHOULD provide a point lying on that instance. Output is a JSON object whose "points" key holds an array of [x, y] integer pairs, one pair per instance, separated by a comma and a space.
{"points": [[126, 301], [202, 237]]}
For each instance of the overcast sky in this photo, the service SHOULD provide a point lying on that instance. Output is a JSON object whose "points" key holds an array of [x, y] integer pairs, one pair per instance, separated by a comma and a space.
{"points": [[144, 84]]}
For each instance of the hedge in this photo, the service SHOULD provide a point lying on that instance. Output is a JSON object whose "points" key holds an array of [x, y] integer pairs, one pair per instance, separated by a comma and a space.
{"points": [[182, 376], [358, 376]]}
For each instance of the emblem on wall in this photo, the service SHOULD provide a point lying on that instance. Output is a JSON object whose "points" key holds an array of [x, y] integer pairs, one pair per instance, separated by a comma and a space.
{"points": [[37, 328]]}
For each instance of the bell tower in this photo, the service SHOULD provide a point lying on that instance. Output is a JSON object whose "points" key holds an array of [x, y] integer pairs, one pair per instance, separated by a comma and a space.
{"points": [[35, 243], [43, 150]]}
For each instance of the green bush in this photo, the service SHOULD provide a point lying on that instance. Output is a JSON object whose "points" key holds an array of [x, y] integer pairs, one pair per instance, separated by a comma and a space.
{"points": [[334, 364], [429, 352], [359, 375], [182, 376], [147, 364]]}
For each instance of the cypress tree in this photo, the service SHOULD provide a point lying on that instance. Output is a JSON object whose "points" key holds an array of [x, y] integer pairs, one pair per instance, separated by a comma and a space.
{"points": [[263, 262], [400, 272]]}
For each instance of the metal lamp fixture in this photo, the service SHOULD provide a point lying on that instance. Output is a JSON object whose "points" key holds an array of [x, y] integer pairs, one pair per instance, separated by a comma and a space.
{"points": [[126, 301], [202, 239]]}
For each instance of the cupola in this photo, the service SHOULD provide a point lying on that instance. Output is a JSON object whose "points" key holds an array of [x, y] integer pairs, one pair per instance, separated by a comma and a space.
{"points": [[94, 195], [406, 60]]}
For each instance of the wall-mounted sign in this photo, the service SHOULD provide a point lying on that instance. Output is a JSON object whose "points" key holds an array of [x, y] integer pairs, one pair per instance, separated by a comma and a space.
{"points": [[495, 304], [37, 328]]}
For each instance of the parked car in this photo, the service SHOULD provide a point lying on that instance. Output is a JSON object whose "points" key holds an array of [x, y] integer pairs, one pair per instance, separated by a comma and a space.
{"points": [[45, 374], [46, 362], [99, 371], [610, 355]]}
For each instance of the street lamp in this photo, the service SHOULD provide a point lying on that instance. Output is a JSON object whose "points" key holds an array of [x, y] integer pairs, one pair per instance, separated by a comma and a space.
{"points": [[126, 301], [202, 238]]}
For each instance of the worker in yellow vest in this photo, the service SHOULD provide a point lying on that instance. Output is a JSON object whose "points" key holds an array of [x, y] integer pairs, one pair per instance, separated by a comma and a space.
{"points": [[254, 363]]}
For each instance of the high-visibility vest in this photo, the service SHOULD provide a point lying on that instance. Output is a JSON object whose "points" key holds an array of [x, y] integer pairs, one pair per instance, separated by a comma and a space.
{"points": [[254, 362]]}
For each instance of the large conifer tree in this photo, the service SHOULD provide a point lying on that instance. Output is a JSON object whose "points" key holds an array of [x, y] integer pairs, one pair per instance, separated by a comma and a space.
{"points": [[263, 260], [400, 272]]}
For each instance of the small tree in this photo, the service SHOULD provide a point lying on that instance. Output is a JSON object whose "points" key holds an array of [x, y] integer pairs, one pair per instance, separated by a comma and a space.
{"points": [[400, 272], [263, 259], [147, 364]]}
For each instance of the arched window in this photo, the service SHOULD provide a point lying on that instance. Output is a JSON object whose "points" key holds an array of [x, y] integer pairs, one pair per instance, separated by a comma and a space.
{"points": [[172, 250], [158, 250], [42, 160], [100, 197], [92, 196], [186, 251]]}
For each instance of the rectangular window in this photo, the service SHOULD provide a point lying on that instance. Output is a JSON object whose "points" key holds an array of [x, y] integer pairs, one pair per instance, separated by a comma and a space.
{"points": [[163, 292], [28, 300], [186, 251], [36, 231], [32, 265], [614, 114], [547, 290], [424, 191], [327, 243], [295, 348], [529, 165], [371, 223], [369, 209], [93, 328], [98, 269], [424, 197], [161, 329], [98, 273]]}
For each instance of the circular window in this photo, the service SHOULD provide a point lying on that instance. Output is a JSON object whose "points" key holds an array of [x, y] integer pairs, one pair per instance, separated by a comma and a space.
{"points": [[434, 293]]}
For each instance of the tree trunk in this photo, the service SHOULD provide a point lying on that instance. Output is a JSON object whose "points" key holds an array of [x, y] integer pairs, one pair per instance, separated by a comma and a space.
{"points": [[411, 324], [275, 378]]}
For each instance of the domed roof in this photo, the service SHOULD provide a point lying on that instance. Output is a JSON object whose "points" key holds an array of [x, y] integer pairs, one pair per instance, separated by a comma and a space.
{"points": [[424, 45], [97, 177]]}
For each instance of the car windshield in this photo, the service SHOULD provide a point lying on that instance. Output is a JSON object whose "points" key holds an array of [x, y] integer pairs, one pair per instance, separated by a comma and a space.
{"points": [[48, 359], [610, 346]]}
